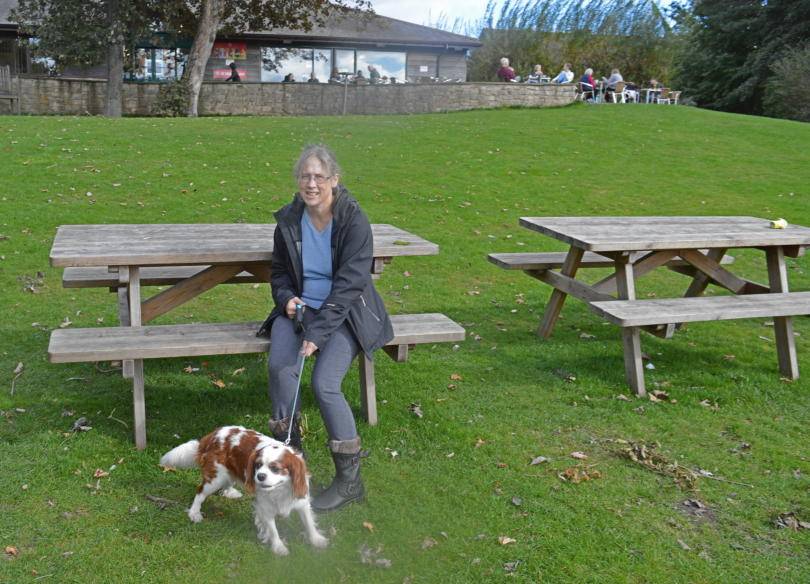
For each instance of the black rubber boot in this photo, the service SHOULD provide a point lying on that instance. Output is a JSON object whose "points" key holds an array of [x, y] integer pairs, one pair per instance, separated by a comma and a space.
{"points": [[279, 428], [347, 486]]}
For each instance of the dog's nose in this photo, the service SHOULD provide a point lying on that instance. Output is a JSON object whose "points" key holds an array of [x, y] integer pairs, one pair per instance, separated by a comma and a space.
{"points": [[260, 477]]}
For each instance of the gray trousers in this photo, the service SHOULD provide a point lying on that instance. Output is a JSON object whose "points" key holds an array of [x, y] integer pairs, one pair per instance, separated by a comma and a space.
{"points": [[332, 361]]}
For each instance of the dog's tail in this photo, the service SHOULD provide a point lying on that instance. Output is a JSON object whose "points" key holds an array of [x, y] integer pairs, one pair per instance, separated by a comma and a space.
{"points": [[183, 456]]}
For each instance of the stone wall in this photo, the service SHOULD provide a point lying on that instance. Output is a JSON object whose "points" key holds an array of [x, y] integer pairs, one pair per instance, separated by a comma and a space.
{"points": [[86, 96]]}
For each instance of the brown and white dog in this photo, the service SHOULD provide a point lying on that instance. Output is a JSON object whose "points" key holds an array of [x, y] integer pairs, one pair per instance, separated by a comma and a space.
{"points": [[275, 473]]}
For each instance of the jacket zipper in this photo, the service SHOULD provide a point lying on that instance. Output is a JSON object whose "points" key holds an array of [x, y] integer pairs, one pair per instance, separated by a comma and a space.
{"points": [[369, 308]]}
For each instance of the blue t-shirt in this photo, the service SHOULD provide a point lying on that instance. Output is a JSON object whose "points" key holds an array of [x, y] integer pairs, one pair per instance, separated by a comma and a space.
{"points": [[316, 249]]}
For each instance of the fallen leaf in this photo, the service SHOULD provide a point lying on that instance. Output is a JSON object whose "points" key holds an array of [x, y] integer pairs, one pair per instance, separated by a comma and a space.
{"points": [[456, 377], [538, 460], [219, 383], [161, 502], [12, 551], [506, 540], [479, 443], [510, 567], [428, 543], [100, 474], [565, 375], [415, 409], [167, 468], [81, 425], [65, 323], [19, 368], [578, 474], [191, 369], [517, 501], [586, 336], [368, 525], [790, 521], [579, 455], [709, 404], [622, 397], [239, 371], [729, 357], [683, 545], [406, 274]]}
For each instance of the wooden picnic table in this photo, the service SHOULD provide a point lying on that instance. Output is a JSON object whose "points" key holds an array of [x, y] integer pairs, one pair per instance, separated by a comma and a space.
{"points": [[193, 258], [638, 245]]}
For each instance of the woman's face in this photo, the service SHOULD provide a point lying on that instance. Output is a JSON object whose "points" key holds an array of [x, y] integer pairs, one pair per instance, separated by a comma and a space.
{"points": [[315, 185]]}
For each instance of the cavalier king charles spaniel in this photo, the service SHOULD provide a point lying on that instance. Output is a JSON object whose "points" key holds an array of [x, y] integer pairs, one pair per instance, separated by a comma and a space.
{"points": [[275, 473]]}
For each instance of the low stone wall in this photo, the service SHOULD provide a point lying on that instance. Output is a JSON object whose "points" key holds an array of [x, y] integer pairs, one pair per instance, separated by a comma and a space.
{"points": [[86, 96]]}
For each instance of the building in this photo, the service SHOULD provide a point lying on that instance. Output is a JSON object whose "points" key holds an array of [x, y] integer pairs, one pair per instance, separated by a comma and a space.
{"points": [[346, 43]]}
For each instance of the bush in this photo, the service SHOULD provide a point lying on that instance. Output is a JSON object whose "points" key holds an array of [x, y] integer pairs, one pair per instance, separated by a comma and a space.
{"points": [[172, 100], [786, 95]]}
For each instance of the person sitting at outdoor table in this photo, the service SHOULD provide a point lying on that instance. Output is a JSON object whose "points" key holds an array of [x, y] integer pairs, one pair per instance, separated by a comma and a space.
{"points": [[610, 82], [322, 256], [564, 76], [653, 92], [587, 84], [506, 73], [359, 79], [536, 76], [373, 74], [288, 78]]}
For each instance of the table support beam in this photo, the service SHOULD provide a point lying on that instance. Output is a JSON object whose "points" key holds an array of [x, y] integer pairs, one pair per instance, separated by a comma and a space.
{"points": [[782, 325], [187, 289], [557, 299], [646, 264]]}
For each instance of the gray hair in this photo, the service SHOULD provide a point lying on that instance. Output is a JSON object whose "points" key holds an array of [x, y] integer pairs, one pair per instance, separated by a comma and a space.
{"points": [[320, 152]]}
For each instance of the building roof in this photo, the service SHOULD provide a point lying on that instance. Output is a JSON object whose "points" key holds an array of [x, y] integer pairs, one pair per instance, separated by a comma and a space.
{"points": [[351, 26], [345, 26]]}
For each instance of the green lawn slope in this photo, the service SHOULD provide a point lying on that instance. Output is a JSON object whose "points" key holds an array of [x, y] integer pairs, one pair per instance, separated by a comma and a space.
{"points": [[452, 496]]}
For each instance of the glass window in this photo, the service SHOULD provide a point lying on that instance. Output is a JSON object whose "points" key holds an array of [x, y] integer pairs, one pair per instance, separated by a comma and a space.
{"points": [[388, 64], [278, 63], [157, 64], [322, 64], [344, 61]]}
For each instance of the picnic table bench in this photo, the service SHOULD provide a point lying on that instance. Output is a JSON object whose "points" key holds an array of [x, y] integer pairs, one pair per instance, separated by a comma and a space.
{"points": [[191, 259], [694, 246]]}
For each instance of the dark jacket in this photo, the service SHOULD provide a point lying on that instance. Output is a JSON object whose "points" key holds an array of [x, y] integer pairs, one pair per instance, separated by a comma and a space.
{"points": [[353, 297]]}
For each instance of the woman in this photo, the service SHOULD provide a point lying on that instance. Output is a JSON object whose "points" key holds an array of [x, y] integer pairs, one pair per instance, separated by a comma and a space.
{"points": [[564, 76], [587, 86], [322, 259], [536, 76], [506, 73]]}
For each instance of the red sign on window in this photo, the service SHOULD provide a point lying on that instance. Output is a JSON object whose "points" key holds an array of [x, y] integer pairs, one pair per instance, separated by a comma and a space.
{"points": [[221, 74], [229, 50]]}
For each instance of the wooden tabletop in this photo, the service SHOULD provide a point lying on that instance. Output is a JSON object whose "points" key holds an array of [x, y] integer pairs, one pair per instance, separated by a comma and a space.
{"points": [[184, 244], [604, 234]]}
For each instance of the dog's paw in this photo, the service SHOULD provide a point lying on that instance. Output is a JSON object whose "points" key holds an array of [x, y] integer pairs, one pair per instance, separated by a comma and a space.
{"points": [[195, 516], [279, 548], [319, 541], [231, 493]]}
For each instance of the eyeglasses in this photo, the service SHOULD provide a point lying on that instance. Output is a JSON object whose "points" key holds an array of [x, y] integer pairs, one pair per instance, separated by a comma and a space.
{"points": [[318, 178]]}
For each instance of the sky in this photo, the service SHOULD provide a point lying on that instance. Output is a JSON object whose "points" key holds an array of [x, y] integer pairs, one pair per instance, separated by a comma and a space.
{"points": [[428, 11]]}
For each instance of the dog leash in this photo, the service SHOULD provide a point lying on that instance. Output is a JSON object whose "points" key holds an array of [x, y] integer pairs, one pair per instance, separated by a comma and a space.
{"points": [[299, 319]]}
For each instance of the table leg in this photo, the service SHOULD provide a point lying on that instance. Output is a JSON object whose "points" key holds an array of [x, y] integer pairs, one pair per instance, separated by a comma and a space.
{"points": [[127, 370], [631, 339], [557, 299], [701, 280], [782, 325], [138, 398], [368, 389]]}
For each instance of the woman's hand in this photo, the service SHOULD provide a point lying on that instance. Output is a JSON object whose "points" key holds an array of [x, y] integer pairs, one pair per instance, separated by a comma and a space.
{"points": [[290, 308], [308, 348]]}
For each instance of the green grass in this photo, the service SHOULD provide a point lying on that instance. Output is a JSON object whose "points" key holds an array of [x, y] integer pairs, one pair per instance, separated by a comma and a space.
{"points": [[460, 180]]}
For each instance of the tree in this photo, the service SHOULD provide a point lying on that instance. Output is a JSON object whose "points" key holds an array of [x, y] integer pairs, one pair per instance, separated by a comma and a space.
{"points": [[77, 32], [728, 55], [211, 17], [631, 35]]}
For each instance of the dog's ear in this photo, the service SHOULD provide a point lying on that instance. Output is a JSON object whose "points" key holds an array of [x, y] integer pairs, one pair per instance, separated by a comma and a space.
{"points": [[298, 473], [250, 474]]}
